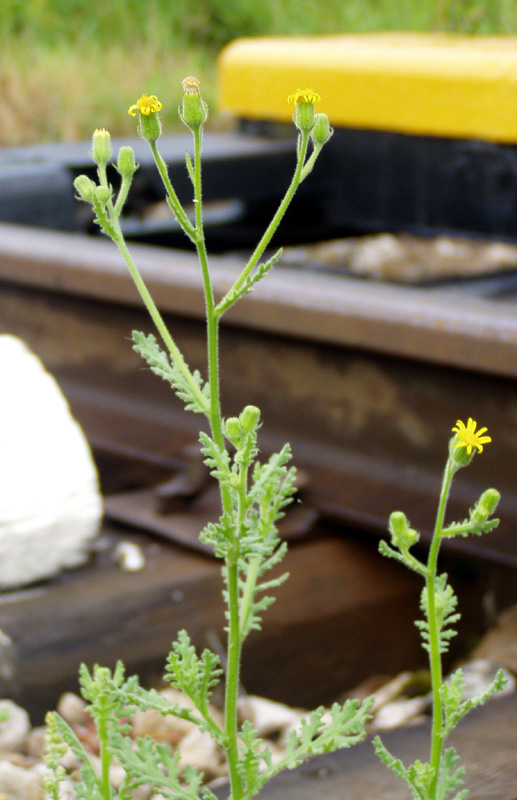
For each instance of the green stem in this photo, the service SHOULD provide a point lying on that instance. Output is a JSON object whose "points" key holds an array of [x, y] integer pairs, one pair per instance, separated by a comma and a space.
{"points": [[247, 597], [212, 322], [106, 758], [232, 681], [435, 661], [310, 162], [174, 202], [122, 196], [118, 238], [232, 563], [273, 225]]}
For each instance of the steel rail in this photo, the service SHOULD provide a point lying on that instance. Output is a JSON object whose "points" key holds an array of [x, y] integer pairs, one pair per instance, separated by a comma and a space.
{"points": [[451, 324]]}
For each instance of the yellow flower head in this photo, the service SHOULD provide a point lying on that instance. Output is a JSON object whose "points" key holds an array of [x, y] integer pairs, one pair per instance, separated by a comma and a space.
{"points": [[468, 436], [304, 96], [147, 104]]}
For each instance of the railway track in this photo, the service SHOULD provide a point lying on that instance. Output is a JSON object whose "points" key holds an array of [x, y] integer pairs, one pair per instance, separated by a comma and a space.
{"points": [[367, 423], [364, 378]]}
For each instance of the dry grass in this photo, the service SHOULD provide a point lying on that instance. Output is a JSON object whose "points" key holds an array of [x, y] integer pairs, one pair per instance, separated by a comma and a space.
{"points": [[69, 66], [62, 94]]}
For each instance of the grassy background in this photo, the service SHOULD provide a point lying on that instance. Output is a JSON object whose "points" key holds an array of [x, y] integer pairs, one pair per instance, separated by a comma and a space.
{"points": [[69, 66]]}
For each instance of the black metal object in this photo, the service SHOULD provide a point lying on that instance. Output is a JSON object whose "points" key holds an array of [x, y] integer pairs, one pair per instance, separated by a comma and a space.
{"points": [[366, 181], [244, 179], [381, 181], [374, 180]]}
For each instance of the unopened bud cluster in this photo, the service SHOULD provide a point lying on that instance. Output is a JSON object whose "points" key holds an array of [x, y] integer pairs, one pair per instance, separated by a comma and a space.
{"points": [[237, 428], [98, 195]]}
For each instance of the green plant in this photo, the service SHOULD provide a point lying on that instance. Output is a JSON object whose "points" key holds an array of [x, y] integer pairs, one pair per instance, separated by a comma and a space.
{"points": [[253, 495], [441, 775]]}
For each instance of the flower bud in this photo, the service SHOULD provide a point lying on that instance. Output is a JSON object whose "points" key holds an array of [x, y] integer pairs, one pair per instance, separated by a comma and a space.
{"points": [[126, 163], [322, 131], [103, 194], [233, 431], [193, 110], [149, 125], [401, 534], [304, 116], [485, 506], [101, 146], [85, 188], [249, 419], [459, 455]]}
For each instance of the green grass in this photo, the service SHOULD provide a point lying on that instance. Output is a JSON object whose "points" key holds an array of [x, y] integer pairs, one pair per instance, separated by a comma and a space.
{"points": [[69, 66]]}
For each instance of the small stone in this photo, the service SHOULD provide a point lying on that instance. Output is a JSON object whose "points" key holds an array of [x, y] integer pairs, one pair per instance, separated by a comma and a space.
{"points": [[70, 761], [170, 728], [73, 709], [117, 775], [499, 645], [391, 690], [67, 789], [267, 716], [129, 556], [400, 712], [478, 675], [201, 751], [18, 759], [17, 783], [14, 729], [35, 742], [143, 792]]}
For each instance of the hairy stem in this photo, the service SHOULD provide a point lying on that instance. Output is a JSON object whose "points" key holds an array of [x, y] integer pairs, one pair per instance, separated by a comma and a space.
{"points": [[174, 202], [273, 225], [435, 661], [232, 681], [106, 758], [157, 318]]}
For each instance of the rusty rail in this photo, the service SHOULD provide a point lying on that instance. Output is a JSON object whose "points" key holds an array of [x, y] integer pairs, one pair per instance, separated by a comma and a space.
{"points": [[458, 324], [365, 380]]}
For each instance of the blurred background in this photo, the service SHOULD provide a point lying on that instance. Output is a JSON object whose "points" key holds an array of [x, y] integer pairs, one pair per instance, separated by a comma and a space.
{"points": [[69, 66]]}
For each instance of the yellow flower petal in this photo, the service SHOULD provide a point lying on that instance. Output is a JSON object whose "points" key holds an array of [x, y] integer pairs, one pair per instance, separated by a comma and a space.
{"points": [[146, 104], [468, 436], [304, 96]]}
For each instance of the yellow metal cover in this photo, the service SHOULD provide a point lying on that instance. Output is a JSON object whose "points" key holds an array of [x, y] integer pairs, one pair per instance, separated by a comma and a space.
{"points": [[427, 84]]}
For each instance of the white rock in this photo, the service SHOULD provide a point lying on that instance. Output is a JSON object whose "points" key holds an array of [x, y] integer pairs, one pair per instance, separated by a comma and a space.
{"points": [[200, 751], [479, 673], [267, 716], [35, 743], [67, 786], [17, 783], [14, 730], [117, 775], [169, 728], [391, 690], [73, 709], [129, 556], [50, 505], [399, 712]]}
